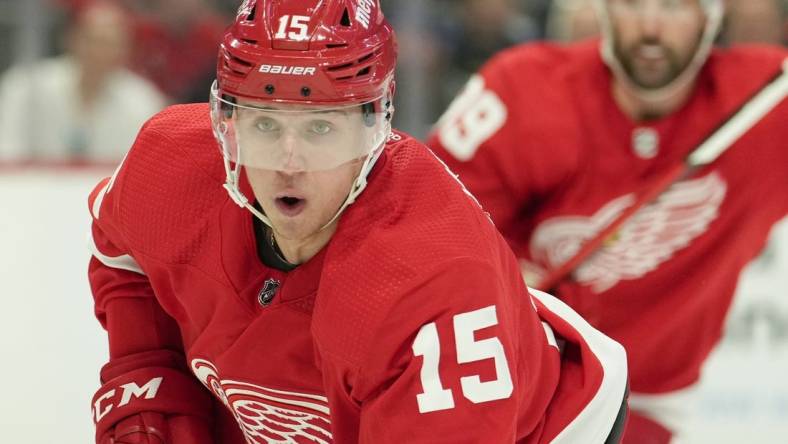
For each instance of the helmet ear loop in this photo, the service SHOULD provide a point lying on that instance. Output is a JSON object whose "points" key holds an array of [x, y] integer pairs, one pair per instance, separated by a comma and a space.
{"points": [[368, 114], [389, 108], [220, 113], [221, 129], [388, 104], [368, 110]]}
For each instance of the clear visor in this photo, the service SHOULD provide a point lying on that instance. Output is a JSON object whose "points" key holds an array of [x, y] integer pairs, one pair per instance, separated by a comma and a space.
{"points": [[287, 137]]}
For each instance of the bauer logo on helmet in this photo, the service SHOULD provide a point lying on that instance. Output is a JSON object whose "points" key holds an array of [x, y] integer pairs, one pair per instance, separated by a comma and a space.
{"points": [[288, 70]]}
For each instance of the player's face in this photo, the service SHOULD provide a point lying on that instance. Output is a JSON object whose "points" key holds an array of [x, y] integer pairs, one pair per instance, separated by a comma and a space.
{"points": [[301, 159], [655, 40], [300, 203]]}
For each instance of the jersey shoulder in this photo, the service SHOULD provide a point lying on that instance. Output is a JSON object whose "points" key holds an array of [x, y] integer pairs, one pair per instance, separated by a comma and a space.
{"points": [[414, 234], [750, 58], [539, 88], [739, 71], [415, 201], [540, 83], [546, 62], [161, 198]]}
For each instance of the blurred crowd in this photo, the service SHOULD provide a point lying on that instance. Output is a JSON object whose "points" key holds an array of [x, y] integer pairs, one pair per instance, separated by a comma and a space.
{"points": [[81, 76]]}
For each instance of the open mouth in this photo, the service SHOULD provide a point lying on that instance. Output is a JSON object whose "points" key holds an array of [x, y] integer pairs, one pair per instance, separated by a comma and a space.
{"points": [[290, 205], [651, 52]]}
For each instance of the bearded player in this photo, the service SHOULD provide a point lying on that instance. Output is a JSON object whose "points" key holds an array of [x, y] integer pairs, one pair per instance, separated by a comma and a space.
{"points": [[557, 141], [278, 266]]}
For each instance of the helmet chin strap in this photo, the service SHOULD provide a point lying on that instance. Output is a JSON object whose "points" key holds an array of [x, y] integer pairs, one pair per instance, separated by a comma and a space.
{"points": [[233, 186], [361, 180], [714, 12]]}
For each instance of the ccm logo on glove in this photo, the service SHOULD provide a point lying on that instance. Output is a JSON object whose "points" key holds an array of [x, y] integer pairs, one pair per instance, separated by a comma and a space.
{"points": [[129, 390]]}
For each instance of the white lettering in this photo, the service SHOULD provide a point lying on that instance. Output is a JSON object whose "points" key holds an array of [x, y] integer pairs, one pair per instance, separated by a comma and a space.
{"points": [[427, 345], [364, 12], [149, 390], [245, 9], [97, 412], [300, 24], [287, 70]]}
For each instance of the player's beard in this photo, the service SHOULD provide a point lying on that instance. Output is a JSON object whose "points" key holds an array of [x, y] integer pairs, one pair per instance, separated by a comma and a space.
{"points": [[653, 74]]}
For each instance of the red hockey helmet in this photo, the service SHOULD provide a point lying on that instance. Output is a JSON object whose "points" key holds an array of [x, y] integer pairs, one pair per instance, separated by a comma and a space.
{"points": [[307, 51], [303, 85]]}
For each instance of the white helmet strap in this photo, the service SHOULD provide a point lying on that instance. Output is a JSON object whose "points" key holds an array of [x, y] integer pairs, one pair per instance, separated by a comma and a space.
{"points": [[360, 183]]}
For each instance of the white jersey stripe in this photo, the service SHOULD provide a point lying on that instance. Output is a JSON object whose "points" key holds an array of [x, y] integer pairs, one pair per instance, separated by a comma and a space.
{"points": [[310, 405], [124, 262], [96, 209], [594, 423], [281, 392], [548, 331]]}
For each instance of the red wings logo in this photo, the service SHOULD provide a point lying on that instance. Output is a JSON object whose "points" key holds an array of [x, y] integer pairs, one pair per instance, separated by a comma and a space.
{"points": [[266, 415], [647, 240]]}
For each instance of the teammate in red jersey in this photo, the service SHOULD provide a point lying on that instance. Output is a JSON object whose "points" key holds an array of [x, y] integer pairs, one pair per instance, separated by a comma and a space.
{"points": [[557, 141], [241, 269]]}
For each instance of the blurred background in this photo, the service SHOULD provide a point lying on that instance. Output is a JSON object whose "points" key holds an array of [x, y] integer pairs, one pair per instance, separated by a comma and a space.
{"points": [[79, 77]]}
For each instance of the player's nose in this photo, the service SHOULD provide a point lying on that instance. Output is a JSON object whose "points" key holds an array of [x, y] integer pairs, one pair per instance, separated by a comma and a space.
{"points": [[292, 159], [651, 20]]}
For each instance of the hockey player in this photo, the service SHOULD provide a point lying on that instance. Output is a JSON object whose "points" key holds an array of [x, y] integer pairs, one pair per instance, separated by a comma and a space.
{"points": [[558, 141], [280, 267]]}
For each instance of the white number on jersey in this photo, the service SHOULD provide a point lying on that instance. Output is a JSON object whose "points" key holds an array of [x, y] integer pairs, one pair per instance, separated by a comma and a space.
{"points": [[296, 23], [427, 344], [472, 118]]}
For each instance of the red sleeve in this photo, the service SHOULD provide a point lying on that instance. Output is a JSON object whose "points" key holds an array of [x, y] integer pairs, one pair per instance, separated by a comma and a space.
{"points": [[503, 134], [147, 389], [124, 299], [461, 357]]}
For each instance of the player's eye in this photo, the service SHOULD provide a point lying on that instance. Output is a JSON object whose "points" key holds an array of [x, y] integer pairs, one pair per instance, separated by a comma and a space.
{"points": [[320, 127], [266, 125]]}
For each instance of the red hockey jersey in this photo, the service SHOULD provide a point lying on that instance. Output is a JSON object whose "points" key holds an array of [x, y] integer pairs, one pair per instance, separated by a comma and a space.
{"points": [[412, 325], [539, 140]]}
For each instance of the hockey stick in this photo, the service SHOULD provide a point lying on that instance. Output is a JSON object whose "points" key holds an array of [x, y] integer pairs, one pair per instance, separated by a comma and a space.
{"points": [[739, 122]]}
